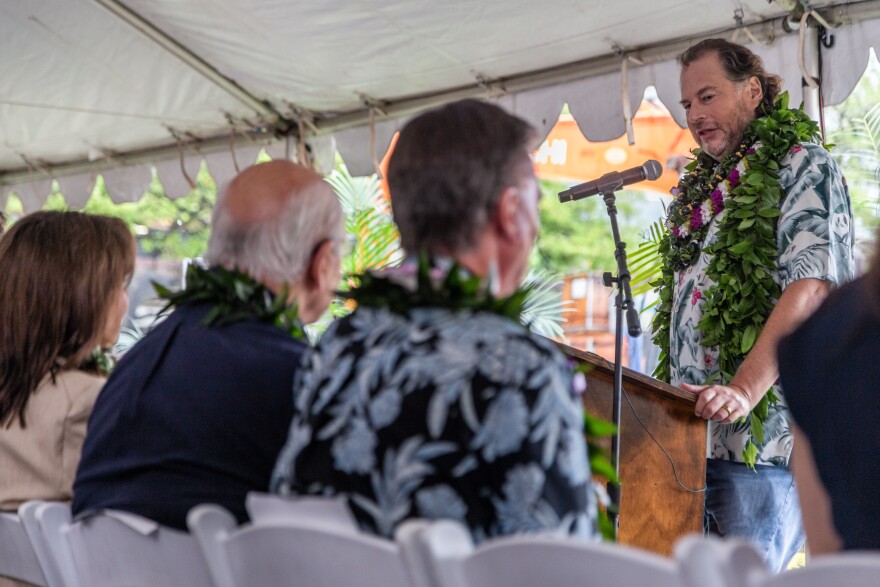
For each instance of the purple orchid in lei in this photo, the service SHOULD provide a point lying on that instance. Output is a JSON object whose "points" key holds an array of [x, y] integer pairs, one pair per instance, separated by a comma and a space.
{"points": [[696, 219], [675, 231], [751, 151], [717, 200], [733, 178]]}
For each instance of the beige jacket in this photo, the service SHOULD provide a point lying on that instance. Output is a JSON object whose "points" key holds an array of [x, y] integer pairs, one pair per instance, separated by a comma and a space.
{"points": [[40, 461]]}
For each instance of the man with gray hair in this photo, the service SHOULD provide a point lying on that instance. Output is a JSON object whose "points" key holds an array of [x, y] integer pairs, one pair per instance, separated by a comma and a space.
{"points": [[198, 410]]}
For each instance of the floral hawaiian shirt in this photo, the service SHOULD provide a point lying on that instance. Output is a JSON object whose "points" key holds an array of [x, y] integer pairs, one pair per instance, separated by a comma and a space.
{"points": [[440, 414], [815, 241]]}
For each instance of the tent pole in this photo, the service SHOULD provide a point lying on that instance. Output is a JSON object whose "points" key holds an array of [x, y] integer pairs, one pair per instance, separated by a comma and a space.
{"points": [[811, 68]]}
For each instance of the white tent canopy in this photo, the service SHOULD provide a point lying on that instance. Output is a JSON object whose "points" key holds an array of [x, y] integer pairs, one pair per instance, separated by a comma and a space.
{"points": [[115, 87]]}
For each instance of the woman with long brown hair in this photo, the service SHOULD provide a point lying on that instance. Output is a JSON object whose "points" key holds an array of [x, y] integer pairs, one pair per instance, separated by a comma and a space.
{"points": [[63, 294]]}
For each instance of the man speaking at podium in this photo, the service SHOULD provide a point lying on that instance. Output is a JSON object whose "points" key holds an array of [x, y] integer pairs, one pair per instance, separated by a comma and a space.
{"points": [[760, 229]]}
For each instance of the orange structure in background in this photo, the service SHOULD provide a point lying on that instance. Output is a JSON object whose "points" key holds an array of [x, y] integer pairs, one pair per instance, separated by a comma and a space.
{"points": [[589, 308], [567, 156]]}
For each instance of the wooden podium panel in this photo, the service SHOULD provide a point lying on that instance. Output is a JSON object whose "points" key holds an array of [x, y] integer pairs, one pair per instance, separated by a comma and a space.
{"points": [[655, 510]]}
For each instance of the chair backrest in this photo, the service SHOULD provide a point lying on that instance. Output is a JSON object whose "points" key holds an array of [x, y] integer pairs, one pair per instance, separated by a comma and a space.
{"points": [[850, 569], [17, 557], [711, 562], [44, 523], [328, 512], [530, 560], [286, 552], [117, 548]]}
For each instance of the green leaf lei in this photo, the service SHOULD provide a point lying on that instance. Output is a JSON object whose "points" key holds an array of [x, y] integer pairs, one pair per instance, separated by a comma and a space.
{"points": [[234, 296], [458, 289], [745, 254]]}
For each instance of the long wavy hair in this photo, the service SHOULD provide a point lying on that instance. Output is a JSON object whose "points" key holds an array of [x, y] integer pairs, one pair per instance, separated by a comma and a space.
{"points": [[60, 272]]}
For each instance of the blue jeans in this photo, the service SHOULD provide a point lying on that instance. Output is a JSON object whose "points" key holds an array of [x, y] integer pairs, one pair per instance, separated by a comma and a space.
{"points": [[760, 507]]}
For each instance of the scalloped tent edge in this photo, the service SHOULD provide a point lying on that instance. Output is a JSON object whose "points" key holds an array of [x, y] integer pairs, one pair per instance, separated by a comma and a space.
{"points": [[594, 88]]}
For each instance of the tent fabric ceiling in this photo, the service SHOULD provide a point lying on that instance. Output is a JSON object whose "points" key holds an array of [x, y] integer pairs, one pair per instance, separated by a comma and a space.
{"points": [[81, 84]]}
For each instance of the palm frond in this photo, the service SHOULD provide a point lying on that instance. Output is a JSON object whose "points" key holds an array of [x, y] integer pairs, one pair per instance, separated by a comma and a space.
{"points": [[128, 337], [646, 264], [368, 221], [355, 193], [862, 142], [544, 308]]}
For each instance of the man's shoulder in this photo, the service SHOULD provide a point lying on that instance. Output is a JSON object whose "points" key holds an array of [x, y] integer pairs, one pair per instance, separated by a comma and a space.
{"points": [[809, 177], [457, 332], [804, 157], [188, 323], [182, 339], [436, 319]]}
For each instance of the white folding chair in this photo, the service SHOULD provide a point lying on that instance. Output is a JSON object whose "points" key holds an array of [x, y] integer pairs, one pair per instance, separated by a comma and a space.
{"points": [[451, 560], [712, 562], [17, 557], [327, 512], [847, 569], [118, 548], [283, 550]]}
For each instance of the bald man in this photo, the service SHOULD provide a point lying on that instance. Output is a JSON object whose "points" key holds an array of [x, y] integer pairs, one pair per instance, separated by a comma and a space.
{"points": [[198, 411]]}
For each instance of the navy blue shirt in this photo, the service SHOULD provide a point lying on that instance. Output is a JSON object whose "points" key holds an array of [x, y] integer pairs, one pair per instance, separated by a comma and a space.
{"points": [[830, 371], [192, 414]]}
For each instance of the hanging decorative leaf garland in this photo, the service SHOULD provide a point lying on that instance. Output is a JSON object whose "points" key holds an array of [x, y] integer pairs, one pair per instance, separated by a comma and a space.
{"points": [[746, 185], [234, 296]]}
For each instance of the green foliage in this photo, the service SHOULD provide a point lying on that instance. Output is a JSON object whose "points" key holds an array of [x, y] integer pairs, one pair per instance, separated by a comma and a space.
{"points": [[601, 468], [543, 309], [13, 209], [367, 220], [646, 263], [100, 362], [857, 135], [576, 237], [128, 337], [165, 228]]}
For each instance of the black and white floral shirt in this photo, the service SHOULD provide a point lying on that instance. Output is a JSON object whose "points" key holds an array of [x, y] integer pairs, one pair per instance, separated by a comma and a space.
{"points": [[815, 241], [440, 414]]}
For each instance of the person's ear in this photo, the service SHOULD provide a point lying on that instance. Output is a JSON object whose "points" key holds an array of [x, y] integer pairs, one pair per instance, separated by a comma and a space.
{"points": [[318, 273], [507, 213], [755, 91]]}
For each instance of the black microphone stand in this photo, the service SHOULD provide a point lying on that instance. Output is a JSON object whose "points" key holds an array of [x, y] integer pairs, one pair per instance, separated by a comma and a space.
{"points": [[623, 302]]}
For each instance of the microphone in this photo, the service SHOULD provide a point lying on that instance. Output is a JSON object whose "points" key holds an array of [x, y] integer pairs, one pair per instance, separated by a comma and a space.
{"points": [[613, 181]]}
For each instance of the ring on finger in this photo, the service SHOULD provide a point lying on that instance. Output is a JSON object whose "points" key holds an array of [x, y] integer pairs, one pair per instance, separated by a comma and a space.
{"points": [[726, 408]]}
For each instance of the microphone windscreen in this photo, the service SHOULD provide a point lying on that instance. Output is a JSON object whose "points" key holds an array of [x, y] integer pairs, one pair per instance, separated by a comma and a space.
{"points": [[652, 169]]}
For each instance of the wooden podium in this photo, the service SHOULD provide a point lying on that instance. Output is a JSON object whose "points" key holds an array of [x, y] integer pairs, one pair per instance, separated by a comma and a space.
{"points": [[655, 510]]}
